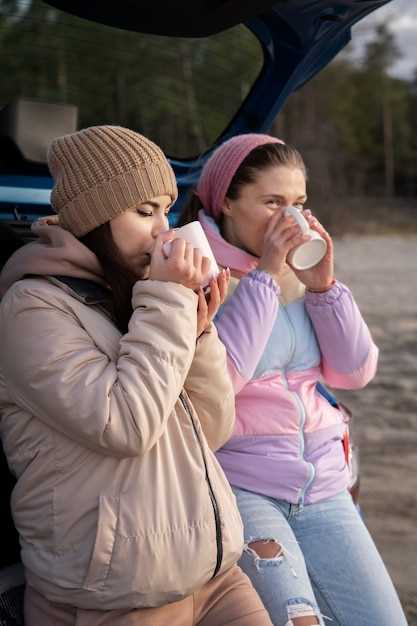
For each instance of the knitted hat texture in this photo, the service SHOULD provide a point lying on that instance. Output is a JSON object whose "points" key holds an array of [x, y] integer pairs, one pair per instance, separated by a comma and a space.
{"points": [[218, 172], [102, 171]]}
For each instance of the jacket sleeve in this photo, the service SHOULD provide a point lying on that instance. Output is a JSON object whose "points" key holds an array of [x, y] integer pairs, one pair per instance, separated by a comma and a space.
{"points": [[349, 356], [54, 369], [245, 323], [210, 389]]}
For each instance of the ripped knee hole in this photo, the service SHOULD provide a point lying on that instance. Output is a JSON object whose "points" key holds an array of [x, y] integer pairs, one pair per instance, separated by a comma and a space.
{"points": [[266, 548], [304, 621]]}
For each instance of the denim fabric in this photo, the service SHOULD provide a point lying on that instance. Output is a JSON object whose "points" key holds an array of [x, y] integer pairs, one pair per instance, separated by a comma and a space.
{"points": [[329, 566]]}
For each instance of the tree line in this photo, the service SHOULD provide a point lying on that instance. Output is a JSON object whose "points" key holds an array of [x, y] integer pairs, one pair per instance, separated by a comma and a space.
{"points": [[358, 123]]}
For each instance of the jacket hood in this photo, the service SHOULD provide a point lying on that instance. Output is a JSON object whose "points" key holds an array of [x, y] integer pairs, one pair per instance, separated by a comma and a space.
{"points": [[55, 252], [226, 254]]}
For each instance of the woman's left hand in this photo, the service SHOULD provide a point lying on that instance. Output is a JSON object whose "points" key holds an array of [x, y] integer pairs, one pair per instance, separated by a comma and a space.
{"points": [[321, 276], [208, 307]]}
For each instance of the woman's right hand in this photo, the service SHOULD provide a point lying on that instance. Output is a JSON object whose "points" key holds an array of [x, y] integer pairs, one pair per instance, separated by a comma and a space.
{"points": [[185, 264], [282, 235]]}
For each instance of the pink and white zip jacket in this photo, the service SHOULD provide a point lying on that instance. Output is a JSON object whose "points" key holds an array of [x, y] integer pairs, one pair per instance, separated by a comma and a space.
{"points": [[287, 440]]}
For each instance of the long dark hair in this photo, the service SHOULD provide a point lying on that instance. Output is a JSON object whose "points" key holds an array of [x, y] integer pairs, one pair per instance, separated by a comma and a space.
{"points": [[9, 243], [118, 276], [260, 158]]}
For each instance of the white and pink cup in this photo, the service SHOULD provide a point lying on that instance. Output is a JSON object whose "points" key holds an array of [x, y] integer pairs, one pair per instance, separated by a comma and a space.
{"points": [[194, 234], [309, 253]]}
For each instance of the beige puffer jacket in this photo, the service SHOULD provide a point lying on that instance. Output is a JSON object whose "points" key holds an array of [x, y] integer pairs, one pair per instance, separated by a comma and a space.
{"points": [[119, 501]]}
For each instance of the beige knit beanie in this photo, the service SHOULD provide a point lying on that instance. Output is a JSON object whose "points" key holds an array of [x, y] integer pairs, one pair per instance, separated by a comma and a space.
{"points": [[102, 171]]}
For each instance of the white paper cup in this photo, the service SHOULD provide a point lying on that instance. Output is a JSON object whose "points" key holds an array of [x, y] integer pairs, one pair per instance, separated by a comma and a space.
{"points": [[194, 234], [309, 253]]}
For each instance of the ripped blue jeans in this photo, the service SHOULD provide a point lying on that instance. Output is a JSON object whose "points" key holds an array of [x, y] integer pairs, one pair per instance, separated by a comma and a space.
{"points": [[326, 566]]}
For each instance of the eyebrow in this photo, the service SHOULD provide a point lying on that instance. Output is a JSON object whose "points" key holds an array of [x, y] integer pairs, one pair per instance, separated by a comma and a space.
{"points": [[279, 197]]}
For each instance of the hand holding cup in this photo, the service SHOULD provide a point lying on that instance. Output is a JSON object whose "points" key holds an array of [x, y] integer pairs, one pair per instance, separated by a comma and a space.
{"points": [[281, 235], [184, 256], [193, 233], [210, 302], [309, 253], [320, 276]]}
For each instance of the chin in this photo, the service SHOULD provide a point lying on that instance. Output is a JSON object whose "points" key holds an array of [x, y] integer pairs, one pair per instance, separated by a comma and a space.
{"points": [[141, 268]]}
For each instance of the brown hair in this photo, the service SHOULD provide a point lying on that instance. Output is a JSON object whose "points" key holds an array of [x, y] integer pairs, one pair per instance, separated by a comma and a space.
{"points": [[260, 158], [118, 276]]}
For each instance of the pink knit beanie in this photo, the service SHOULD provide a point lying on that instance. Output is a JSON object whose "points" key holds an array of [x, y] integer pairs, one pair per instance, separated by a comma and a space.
{"points": [[218, 172]]}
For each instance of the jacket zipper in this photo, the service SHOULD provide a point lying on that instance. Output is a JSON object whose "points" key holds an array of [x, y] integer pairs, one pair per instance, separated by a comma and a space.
{"points": [[311, 468], [301, 413], [219, 538]]}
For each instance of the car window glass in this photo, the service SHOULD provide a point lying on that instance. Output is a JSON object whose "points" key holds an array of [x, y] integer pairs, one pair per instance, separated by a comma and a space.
{"points": [[181, 93]]}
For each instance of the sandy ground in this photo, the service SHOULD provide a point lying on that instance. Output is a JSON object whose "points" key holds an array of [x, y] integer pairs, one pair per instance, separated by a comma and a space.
{"points": [[382, 273]]}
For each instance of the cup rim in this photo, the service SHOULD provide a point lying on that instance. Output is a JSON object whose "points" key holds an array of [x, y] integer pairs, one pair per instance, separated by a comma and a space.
{"points": [[318, 246]]}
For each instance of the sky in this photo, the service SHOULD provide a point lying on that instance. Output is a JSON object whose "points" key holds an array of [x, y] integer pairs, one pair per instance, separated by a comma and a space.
{"points": [[401, 15]]}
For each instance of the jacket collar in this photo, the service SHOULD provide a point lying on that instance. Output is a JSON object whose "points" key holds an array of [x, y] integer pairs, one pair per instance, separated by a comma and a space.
{"points": [[226, 254], [86, 291]]}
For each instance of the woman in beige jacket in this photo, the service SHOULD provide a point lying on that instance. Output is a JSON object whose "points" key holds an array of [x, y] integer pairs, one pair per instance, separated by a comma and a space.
{"points": [[113, 394]]}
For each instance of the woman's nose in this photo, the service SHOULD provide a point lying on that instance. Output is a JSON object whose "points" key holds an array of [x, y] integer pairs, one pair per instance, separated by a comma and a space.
{"points": [[160, 225], [288, 205]]}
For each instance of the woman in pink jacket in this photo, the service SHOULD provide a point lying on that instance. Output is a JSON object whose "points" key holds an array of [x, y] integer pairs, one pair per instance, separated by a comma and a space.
{"points": [[107, 421], [308, 552]]}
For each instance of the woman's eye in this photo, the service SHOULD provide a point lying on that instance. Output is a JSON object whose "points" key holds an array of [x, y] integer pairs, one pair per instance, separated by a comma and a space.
{"points": [[144, 213], [300, 206], [273, 203]]}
